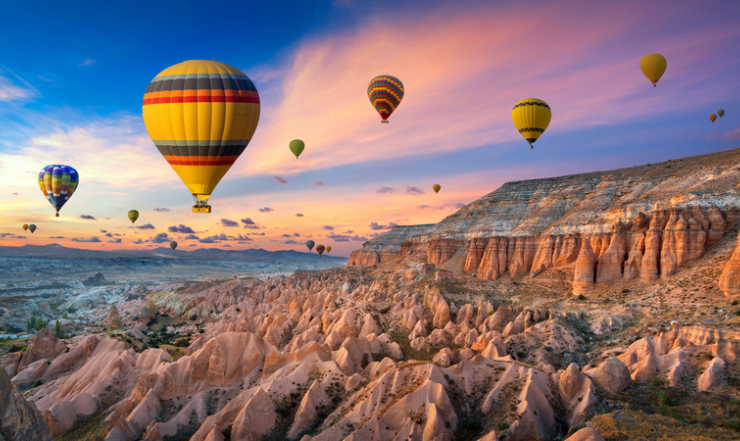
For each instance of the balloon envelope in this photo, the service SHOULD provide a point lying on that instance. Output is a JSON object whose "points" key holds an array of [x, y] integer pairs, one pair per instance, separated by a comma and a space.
{"points": [[133, 215], [297, 146], [58, 183], [328, 249], [721, 113], [385, 93], [201, 115], [653, 66], [436, 188], [310, 244], [173, 244], [25, 227], [531, 117], [320, 249], [713, 117], [32, 227]]}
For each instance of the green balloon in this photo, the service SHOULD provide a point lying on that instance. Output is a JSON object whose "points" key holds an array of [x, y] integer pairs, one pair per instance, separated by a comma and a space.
{"points": [[310, 244], [297, 146], [721, 113]]}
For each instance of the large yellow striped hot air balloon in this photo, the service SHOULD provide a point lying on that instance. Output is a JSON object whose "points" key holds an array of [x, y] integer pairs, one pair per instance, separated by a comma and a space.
{"points": [[201, 115], [531, 117], [653, 66]]}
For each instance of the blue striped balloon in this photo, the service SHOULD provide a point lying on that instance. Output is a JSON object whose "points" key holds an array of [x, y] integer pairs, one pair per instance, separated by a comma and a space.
{"points": [[58, 183]]}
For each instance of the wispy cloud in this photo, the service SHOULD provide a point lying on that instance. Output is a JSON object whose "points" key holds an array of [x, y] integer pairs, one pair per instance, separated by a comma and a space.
{"points": [[281, 180], [377, 226], [161, 210], [346, 238], [87, 216], [160, 238], [328, 227], [249, 223], [299, 215], [87, 62], [93, 239], [727, 136], [386, 190], [10, 91], [266, 210], [229, 223], [184, 229], [145, 227], [318, 184], [414, 190]]}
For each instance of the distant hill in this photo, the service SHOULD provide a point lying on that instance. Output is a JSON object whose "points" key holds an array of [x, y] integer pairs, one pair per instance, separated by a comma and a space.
{"points": [[251, 255]]}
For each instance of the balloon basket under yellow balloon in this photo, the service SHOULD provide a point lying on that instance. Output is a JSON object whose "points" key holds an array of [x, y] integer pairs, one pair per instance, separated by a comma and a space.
{"points": [[201, 208]]}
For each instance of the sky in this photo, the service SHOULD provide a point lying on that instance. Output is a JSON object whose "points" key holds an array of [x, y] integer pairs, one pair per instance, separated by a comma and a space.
{"points": [[73, 75]]}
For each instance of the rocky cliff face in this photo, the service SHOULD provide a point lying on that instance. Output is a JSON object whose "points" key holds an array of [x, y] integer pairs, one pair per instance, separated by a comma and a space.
{"points": [[19, 420], [729, 281], [641, 223]]}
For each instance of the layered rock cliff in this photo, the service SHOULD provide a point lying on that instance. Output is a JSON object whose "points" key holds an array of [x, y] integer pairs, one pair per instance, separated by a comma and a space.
{"points": [[643, 222]]}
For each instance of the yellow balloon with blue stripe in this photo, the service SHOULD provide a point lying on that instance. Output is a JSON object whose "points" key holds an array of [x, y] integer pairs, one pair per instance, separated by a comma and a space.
{"points": [[531, 117], [201, 115]]}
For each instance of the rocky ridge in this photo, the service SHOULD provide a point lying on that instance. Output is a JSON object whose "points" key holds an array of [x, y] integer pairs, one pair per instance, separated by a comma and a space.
{"points": [[641, 223]]}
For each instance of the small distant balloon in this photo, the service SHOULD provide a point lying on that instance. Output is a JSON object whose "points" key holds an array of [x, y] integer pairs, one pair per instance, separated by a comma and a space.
{"points": [[32, 227], [297, 146], [531, 117], [385, 93], [133, 215], [173, 244], [25, 227], [721, 113], [320, 249], [653, 66], [310, 244], [328, 249], [713, 117], [436, 188]]}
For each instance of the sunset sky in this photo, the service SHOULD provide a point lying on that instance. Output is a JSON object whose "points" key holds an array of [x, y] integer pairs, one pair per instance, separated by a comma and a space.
{"points": [[73, 74]]}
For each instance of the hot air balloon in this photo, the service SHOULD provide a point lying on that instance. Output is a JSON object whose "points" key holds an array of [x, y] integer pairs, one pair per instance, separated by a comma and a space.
{"points": [[133, 215], [328, 249], [320, 249], [310, 244], [201, 115], [173, 244], [713, 117], [531, 117], [386, 93], [32, 227], [297, 146], [25, 227], [721, 113], [436, 188], [653, 66], [58, 183]]}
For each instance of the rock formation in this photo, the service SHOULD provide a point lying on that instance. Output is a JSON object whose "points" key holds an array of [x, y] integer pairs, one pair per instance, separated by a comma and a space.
{"points": [[729, 281], [19, 420], [636, 226]]}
